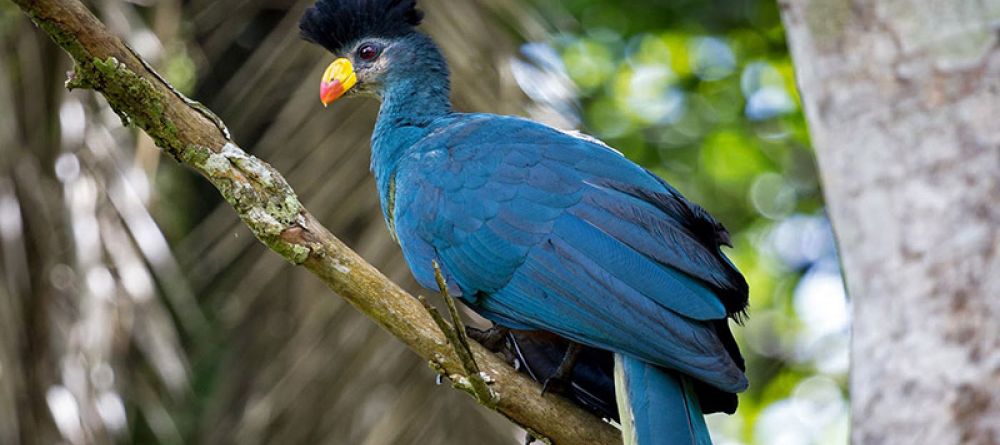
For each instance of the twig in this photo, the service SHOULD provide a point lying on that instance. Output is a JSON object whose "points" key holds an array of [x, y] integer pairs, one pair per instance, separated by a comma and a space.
{"points": [[473, 381]]}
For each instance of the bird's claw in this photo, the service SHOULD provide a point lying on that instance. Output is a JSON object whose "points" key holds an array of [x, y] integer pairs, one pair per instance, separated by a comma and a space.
{"points": [[558, 382], [492, 339], [556, 385]]}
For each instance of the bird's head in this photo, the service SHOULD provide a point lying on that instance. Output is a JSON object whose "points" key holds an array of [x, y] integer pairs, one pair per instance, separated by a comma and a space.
{"points": [[374, 42]]}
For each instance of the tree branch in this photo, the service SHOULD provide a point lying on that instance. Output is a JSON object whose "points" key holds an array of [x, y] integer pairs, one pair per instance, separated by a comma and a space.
{"points": [[192, 135]]}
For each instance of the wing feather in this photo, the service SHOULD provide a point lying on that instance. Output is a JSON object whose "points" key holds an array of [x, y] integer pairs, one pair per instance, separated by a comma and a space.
{"points": [[547, 231]]}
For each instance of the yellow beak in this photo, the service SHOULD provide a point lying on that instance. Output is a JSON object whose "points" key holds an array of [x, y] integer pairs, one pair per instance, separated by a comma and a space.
{"points": [[338, 78]]}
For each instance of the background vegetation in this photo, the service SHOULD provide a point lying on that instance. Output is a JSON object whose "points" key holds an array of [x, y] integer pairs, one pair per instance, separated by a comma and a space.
{"points": [[136, 308]]}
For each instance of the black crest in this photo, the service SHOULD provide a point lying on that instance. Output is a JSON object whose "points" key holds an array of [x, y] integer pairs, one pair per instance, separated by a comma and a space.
{"points": [[336, 23]]}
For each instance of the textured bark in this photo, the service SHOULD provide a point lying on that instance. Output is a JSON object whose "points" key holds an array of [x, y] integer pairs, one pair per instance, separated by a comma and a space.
{"points": [[903, 100], [271, 210]]}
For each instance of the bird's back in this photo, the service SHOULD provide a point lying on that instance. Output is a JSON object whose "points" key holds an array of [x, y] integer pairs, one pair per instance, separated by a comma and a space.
{"points": [[539, 229]]}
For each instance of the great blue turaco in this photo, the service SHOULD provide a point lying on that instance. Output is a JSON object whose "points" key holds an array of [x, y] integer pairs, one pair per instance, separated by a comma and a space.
{"points": [[541, 230]]}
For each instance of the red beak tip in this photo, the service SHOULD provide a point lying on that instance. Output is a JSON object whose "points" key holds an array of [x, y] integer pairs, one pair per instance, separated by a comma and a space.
{"points": [[330, 91]]}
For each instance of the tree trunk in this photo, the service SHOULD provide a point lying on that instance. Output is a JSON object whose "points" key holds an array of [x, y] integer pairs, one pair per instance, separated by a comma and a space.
{"points": [[903, 101]]}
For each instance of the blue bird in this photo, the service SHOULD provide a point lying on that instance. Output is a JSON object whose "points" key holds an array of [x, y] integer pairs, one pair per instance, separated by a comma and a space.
{"points": [[539, 229]]}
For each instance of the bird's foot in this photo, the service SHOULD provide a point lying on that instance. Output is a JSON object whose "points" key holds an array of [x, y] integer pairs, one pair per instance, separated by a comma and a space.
{"points": [[555, 385], [559, 381], [493, 338]]}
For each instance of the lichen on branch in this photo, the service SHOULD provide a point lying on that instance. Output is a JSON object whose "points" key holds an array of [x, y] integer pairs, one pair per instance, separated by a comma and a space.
{"points": [[259, 194], [134, 98]]}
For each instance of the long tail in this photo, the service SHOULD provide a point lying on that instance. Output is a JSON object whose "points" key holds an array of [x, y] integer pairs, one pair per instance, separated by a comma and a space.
{"points": [[657, 407]]}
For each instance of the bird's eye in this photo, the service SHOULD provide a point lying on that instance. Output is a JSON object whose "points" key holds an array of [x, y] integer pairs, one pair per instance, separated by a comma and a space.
{"points": [[368, 52]]}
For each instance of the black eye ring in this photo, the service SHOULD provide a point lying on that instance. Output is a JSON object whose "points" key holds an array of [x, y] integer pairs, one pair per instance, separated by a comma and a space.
{"points": [[368, 52]]}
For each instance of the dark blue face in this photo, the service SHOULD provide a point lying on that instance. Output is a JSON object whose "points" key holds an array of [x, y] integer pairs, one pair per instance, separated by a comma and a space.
{"points": [[372, 59], [371, 66]]}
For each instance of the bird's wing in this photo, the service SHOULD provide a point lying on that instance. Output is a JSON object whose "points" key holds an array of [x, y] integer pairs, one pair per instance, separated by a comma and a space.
{"points": [[540, 229]]}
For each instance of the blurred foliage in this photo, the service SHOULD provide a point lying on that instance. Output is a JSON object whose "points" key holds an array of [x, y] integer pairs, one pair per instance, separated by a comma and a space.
{"points": [[703, 94]]}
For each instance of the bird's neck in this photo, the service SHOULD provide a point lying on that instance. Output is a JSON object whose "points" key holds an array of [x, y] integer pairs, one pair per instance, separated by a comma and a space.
{"points": [[409, 107], [412, 101], [408, 111]]}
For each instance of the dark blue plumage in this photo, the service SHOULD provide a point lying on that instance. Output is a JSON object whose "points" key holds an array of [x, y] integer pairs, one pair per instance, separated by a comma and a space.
{"points": [[538, 229]]}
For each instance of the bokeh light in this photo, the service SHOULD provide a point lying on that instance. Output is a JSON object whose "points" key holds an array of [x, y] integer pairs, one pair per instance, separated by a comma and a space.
{"points": [[707, 100]]}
